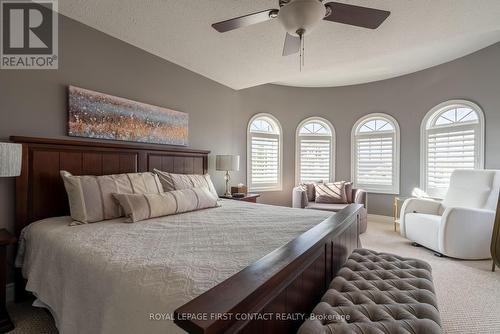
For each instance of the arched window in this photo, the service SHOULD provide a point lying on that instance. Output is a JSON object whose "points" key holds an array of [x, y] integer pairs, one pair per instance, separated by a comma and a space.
{"points": [[375, 154], [452, 136], [314, 155], [264, 153]]}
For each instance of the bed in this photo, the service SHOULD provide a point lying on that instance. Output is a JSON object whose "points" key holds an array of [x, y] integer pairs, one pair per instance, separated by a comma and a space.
{"points": [[209, 271]]}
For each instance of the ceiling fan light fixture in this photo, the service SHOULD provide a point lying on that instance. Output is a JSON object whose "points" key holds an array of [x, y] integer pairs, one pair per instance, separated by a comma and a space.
{"points": [[301, 15]]}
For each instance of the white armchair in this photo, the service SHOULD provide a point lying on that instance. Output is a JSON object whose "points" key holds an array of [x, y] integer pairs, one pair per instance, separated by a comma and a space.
{"points": [[461, 225]]}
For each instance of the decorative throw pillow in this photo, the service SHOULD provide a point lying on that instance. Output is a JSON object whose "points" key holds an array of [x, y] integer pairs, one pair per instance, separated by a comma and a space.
{"points": [[309, 188], [171, 181], [90, 197], [333, 193], [348, 192], [141, 207]]}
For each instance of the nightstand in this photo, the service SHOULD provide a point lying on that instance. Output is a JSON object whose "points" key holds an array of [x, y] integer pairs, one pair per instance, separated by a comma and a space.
{"points": [[5, 239], [252, 198]]}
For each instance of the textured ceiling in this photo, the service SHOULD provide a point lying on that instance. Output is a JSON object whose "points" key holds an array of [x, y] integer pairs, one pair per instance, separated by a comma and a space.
{"points": [[418, 34]]}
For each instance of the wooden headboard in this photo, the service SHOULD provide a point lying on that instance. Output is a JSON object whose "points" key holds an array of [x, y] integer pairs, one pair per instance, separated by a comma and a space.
{"points": [[40, 191]]}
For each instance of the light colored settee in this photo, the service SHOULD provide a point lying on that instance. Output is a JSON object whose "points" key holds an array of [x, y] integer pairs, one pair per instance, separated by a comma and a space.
{"points": [[304, 197], [461, 225]]}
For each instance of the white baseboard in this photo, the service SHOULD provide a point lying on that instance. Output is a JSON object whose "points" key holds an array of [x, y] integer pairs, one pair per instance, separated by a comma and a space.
{"points": [[9, 292], [380, 219]]}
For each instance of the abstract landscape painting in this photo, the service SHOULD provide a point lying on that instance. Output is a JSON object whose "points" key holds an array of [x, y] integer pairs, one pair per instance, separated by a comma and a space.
{"points": [[97, 115]]}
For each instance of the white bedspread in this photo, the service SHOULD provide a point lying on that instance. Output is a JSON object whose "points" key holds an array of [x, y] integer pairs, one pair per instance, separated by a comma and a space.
{"points": [[108, 277]]}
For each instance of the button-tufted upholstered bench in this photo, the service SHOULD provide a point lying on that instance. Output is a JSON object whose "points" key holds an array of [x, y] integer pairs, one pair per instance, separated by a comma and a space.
{"points": [[377, 293]]}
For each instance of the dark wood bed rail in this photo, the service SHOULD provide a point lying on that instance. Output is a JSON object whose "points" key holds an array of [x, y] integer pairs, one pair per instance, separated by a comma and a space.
{"points": [[280, 289]]}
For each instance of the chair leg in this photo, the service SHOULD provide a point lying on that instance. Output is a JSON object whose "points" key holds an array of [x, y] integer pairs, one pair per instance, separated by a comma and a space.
{"points": [[493, 267]]}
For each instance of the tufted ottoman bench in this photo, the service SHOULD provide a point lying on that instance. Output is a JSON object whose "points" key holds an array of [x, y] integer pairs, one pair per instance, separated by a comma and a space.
{"points": [[377, 293]]}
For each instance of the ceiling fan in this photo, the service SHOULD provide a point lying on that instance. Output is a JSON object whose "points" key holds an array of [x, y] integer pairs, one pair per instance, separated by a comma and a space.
{"points": [[299, 17]]}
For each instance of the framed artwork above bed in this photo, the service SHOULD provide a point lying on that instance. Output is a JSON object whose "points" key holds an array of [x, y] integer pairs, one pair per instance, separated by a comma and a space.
{"points": [[98, 115]]}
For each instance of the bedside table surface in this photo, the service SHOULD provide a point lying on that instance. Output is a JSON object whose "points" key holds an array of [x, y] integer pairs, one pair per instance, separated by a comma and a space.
{"points": [[6, 238]]}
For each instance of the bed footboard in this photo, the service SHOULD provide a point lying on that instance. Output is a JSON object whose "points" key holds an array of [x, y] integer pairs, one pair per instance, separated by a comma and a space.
{"points": [[276, 293]]}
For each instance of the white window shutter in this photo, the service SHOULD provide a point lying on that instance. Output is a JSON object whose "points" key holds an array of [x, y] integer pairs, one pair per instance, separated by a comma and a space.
{"points": [[375, 160], [448, 149], [264, 156], [315, 159], [375, 154], [452, 137], [264, 161]]}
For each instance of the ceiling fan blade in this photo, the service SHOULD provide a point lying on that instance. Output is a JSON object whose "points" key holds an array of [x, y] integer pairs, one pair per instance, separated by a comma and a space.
{"points": [[292, 45], [244, 21], [355, 15]]}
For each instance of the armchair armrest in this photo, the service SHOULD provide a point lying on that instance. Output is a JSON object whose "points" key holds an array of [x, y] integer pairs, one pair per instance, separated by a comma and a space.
{"points": [[359, 196], [299, 198], [466, 233], [417, 205]]}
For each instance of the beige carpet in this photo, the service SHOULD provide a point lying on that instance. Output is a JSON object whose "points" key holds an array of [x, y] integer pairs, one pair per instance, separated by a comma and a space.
{"points": [[468, 292]]}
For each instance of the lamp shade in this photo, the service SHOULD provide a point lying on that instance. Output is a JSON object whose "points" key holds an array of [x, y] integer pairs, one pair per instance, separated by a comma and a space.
{"points": [[227, 162], [10, 159]]}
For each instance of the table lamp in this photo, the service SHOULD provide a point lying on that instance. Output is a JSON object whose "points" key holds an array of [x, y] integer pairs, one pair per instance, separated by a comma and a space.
{"points": [[227, 163], [10, 159]]}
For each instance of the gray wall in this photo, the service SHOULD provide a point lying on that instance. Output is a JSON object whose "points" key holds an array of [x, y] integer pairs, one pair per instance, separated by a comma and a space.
{"points": [[407, 98], [34, 103]]}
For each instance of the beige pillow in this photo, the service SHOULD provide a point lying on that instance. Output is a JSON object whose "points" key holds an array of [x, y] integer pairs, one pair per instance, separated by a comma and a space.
{"points": [[171, 181], [348, 192], [141, 207], [90, 197], [332, 193], [309, 188]]}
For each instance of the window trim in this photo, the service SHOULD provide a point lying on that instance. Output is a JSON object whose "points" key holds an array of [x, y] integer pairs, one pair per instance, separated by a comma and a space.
{"points": [[279, 186], [333, 138], [431, 116], [395, 189]]}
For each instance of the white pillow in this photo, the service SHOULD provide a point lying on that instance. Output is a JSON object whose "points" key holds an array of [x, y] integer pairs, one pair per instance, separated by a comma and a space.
{"points": [[90, 197]]}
